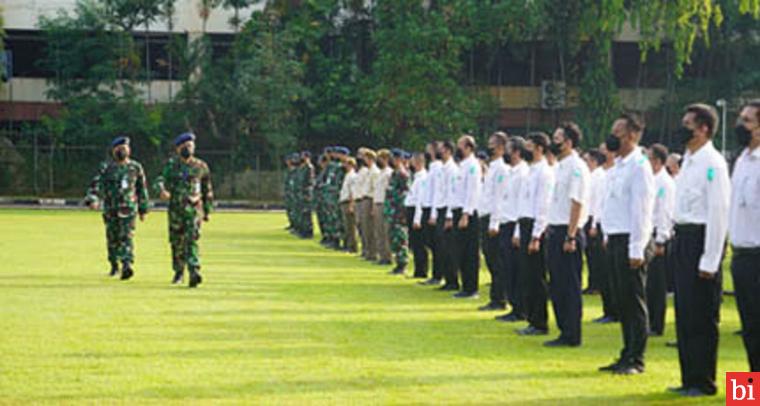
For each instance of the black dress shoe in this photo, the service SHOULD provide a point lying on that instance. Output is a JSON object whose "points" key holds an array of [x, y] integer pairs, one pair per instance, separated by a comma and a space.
{"points": [[195, 279], [492, 307], [532, 331], [559, 342], [397, 271], [126, 272], [114, 271], [611, 367], [696, 393], [629, 370], [431, 282], [448, 288], [605, 320], [678, 390], [466, 295], [511, 317], [177, 279]]}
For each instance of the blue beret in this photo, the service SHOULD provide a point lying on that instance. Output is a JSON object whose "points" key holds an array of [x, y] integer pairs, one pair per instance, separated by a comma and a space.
{"points": [[342, 150], [397, 152], [482, 155], [183, 138], [328, 150], [407, 155], [306, 154], [119, 141]]}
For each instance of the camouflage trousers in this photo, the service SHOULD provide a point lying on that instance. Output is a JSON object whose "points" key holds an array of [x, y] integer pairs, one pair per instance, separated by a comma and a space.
{"points": [[332, 220], [119, 233], [399, 236], [305, 220], [184, 232]]}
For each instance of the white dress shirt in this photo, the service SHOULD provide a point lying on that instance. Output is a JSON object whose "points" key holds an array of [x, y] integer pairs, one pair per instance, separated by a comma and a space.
{"points": [[572, 185], [630, 203], [348, 189], [508, 196], [535, 196], [416, 190], [427, 191], [596, 194], [465, 191], [491, 183], [703, 194], [362, 183], [442, 186], [744, 223], [664, 206]]}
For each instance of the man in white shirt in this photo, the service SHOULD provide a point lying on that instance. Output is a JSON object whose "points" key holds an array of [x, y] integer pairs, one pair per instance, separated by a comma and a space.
{"points": [[462, 217], [505, 219], [594, 260], [348, 205], [444, 233], [381, 226], [368, 189], [664, 205], [627, 223], [703, 193], [416, 192], [673, 164], [495, 180], [744, 230], [424, 209], [565, 236], [610, 308], [533, 210]]}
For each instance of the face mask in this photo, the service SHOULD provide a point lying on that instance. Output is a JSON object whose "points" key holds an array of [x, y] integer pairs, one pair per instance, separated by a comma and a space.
{"points": [[438, 156], [612, 143], [458, 155], [555, 148], [120, 155], [743, 135], [491, 152], [507, 159], [684, 135], [427, 157], [528, 155], [185, 153]]}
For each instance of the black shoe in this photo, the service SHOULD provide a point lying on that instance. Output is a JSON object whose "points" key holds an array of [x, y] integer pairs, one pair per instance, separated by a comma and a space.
{"points": [[653, 333], [114, 271], [448, 288], [696, 393], [678, 390], [611, 367], [672, 344], [629, 370], [126, 272], [590, 291], [398, 271], [492, 307], [466, 295], [415, 276], [195, 279], [431, 282], [511, 317], [177, 279], [605, 320], [559, 342], [532, 331]]}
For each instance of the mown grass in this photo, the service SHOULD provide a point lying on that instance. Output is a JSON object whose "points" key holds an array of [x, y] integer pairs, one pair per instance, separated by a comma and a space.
{"points": [[279, 321]]}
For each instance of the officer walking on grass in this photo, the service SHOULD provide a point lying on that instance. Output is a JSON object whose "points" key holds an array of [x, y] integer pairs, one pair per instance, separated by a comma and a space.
{"points": [[185, 183], [119, 188]]}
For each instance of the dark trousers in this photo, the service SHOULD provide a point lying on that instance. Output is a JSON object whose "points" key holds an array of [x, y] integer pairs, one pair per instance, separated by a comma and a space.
{"points": [[417, 244], [745, 267], [609, 302], [594, 259], [492, 254], [565, 285], [466, 251], [697, 311], [657, 291], [532, 277], [629, 287], [441, 253], [510, 269]]}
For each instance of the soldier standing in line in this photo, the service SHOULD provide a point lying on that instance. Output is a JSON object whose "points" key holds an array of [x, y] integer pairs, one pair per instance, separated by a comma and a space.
{"points": [[395, 211]]}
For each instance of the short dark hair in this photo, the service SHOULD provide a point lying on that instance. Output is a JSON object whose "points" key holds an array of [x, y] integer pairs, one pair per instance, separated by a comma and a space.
{"points": [[633, 121], [540, 139], [518, 144], [572, 132], [448, 145], [469, 141], [659, 152], [500, 137], [704, 114], [756, 104], [597, 156]]}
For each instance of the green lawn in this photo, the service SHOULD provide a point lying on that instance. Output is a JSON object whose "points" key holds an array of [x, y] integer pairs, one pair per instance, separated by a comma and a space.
{"points": [[278, 321]]}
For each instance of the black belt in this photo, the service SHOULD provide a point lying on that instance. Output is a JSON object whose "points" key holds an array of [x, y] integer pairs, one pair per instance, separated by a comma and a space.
{"points": [[746, 251], [618, 236], [690, 228]]}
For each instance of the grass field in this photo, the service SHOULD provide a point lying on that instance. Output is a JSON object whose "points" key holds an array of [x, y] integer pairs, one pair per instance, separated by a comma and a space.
{"points": [[279, 321]]}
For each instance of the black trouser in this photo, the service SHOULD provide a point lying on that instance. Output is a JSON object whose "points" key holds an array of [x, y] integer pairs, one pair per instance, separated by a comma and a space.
{"points": [[745, 267], [493, 257], [594, 259], [466, 251], [565, 285], [532, 277], [441, 253], [657, 291], [629, 287], [609, 301], [510, 268], [417, 244], [697, 310]]}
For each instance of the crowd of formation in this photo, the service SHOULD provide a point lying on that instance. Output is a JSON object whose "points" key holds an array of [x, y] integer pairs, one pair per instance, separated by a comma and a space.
{"points": [[646, 220], [120, 189]]}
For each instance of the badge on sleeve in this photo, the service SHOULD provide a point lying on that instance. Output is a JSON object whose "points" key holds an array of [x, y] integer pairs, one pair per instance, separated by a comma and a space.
{"points": [[710, 174], [661, 193], [500, 178], [472, 170], [577, 173]]}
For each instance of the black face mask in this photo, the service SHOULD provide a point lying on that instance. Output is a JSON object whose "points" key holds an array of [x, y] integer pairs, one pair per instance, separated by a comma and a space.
{"points": [[507, 159], [438, 156], [491, 152], [120, 155], [458, 155], [555, 148], [427, 157], [684, 135], [743, 135], [528, 155], [185, 153], [612, 143]]}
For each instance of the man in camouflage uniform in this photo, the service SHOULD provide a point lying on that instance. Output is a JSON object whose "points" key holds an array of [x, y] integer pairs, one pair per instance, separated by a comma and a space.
{"points": [[330, 195], [288, 192], [395, 212], [319, 201], [305, 196], [186, 183], [119, 188]]}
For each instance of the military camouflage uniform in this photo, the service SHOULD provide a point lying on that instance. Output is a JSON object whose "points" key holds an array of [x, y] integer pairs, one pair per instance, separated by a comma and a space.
{"points": [[395, 214], [191, 200], [289, 196], [305, 193], [122, 192], [319, 200]]}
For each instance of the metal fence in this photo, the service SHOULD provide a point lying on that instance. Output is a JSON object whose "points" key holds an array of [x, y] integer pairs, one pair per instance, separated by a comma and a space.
{"points": [[53, 171]]}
